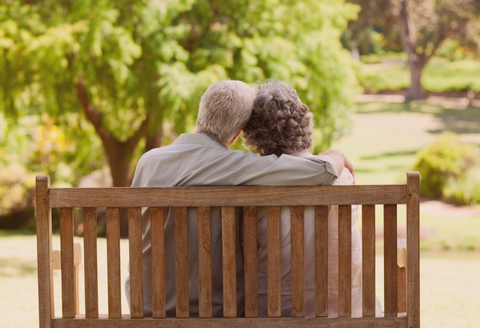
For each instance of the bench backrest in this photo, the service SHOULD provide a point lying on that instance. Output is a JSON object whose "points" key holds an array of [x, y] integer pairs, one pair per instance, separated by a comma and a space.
{"points": [[160, 199]]}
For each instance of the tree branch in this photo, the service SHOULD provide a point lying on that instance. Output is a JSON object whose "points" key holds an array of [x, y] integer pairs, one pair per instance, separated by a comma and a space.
{"points": [[91, 113]]}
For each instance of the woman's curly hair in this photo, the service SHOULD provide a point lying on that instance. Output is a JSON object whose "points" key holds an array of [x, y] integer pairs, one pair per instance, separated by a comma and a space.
{"points": [[280, 122]]}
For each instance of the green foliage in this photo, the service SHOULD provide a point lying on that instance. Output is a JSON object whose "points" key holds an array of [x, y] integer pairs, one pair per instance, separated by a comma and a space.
{"points": [[465, 191], [142, 61], [444, 161]]}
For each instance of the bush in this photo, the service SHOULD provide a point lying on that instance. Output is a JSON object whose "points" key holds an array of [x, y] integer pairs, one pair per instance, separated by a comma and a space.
{"points": [[443, 163], [464, 192]]}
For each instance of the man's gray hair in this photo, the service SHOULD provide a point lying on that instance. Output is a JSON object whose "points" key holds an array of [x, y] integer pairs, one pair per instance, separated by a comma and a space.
{"points": [[225, 109]]}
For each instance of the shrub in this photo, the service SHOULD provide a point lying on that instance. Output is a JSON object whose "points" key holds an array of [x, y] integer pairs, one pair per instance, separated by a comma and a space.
{"points": [[445, 161], [464, 192]]}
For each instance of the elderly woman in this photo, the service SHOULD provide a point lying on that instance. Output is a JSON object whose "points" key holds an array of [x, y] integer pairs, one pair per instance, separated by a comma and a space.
{"points": [[282, 124]]}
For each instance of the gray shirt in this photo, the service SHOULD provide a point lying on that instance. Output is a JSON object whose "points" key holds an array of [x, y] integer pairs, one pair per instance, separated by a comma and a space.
{"points": [[197, 160]]}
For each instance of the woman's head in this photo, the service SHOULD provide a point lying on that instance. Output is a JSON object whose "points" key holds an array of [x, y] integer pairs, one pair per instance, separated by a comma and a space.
{"points": [[280, 122]]}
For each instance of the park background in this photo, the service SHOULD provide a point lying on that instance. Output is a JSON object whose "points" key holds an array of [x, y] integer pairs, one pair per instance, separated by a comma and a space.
{"points": [[86, 87]]}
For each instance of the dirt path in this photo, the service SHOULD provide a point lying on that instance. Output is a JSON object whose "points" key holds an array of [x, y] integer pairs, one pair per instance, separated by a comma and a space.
{"points": [[436, 207]]}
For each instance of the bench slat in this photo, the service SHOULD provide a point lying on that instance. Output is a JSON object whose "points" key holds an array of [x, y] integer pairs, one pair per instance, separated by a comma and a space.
{"points": [[46, 307], [321, 261], [390, 256], [250, 265], [273, 262], [227, 196], [204, 262], [229, 263], [91, 270], [113, 263], [181, 262], [413, 248], [126, 322], [368, 260], [158, 261], [136, 261], [344, 260], [298, 261], [68, 270]]}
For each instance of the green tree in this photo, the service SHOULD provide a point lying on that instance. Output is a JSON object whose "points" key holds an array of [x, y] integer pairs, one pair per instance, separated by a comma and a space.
{"points": [[129, 66], [422, 25]]}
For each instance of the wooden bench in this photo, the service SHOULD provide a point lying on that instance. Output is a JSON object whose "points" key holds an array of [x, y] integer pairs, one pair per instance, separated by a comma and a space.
{"points": [[88, 199]]}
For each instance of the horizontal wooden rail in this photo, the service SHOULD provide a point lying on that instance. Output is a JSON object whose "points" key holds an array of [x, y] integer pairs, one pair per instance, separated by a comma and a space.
{"points": [[227, 196], [126, 322]]}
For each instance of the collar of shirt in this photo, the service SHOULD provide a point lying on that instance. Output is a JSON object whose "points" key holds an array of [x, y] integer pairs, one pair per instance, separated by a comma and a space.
{"points": [[198, 138]]}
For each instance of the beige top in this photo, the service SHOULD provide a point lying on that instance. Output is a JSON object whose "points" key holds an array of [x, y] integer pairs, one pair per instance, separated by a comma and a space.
{"points": [[345, 178], [197, 160]]}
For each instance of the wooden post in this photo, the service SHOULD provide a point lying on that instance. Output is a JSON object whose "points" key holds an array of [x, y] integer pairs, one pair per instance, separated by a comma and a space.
{"points": [[44, 253], [413, 249]]}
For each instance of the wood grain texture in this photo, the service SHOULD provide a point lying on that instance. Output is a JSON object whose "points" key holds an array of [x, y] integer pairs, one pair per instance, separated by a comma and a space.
{"points": [[274, 277], [204, 262], [390, 259], [298, 261], [227, 196], [91, 266], [229, 263], [113, 263], [321, 261], [158, 261], [344, 260], [46, 308], [136, 261], [77, 260], [401, 290], [68, 271], [413, 249], [399, 322], [250, 261], [181, 263], [368, 260]]}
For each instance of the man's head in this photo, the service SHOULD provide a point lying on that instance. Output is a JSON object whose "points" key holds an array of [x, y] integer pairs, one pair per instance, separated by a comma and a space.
{"points": [[225, 109]]}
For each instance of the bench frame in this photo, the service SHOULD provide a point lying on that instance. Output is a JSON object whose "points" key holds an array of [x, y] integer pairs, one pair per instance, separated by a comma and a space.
{"points": [[227, 197]]}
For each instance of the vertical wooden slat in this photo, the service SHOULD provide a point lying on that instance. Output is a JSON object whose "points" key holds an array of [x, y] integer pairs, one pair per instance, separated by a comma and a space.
{"points": [[90, 255], [229, 262], [413, 249], [181, 262], [136, 261], [344, 260], [77, 260], [204, 262], [298, 261], [46, 306], [68, 270], [113, 263], [158, 262], [401, 290], [250, 261], [274, 262], [368, 260], [390, 259], [321, 261]]}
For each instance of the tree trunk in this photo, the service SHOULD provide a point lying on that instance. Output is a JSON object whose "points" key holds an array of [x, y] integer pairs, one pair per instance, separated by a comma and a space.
{"points": [[154, 140], [118, 153], [415, 90]]}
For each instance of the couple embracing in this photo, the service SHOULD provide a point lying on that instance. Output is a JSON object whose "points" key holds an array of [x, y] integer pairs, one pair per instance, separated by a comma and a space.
{"points": [[277, 128]]}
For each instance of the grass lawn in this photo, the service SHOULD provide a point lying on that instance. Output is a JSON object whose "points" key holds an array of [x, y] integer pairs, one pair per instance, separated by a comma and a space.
{"points": [[439, 75], [385, 137]]}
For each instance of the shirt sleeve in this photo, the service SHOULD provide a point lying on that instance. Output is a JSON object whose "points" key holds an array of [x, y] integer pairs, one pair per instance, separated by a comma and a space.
{"points": [[285, 170]]}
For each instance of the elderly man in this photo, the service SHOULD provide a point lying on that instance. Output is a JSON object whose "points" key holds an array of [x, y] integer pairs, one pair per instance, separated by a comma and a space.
{"points": [[204, 158]]}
